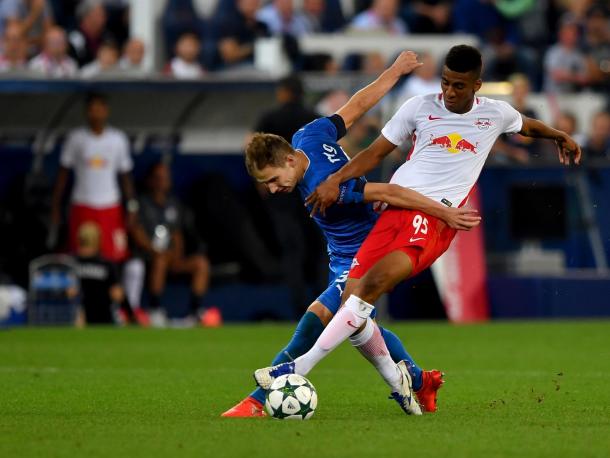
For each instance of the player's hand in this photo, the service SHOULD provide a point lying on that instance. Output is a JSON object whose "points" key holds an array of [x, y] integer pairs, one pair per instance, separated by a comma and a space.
{"points": [[323, 196], [568, 149], [462, 219], [406, 62]]}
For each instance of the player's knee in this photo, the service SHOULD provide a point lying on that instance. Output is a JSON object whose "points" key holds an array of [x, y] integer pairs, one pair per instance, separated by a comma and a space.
{"points": [[360, 310], [321, 312], [159, 259], [200, 263], [373, 286]]}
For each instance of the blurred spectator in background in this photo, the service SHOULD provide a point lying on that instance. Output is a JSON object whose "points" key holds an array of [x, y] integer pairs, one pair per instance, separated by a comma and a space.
{"points": [[98, 154], [13, 56], [360, 135], [106, 62], [596, 44], [297, 237], [100, 289], [331, 102], [132, 60], [503, 53], [521, 89], [597, 143], [159, 239], [290, 114], [237, 32], [565, 65], [178, 17], [281, 18], [313, 13], [186, 63], [34, 16], [54, 61], [565, 121], [117, 23], [381, 17], [429, 16], [516, 147], [424, 80], [91, 31]]}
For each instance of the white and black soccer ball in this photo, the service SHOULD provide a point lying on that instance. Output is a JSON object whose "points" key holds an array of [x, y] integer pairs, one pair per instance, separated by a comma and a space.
{"points": [[291, 397]]}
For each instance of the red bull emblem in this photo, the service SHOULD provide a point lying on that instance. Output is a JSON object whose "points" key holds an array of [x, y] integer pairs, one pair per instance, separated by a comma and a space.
{"points": [[483, 123], [454, 143]]}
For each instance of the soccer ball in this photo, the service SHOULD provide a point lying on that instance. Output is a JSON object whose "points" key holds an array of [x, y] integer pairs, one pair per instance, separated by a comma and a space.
{"points": [[291, 397]]}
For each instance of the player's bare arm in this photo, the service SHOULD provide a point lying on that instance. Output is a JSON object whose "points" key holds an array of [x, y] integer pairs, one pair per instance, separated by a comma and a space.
{"points": [[58, 192], [457, 218], [327, 192], [367, 97], [566, 146]]}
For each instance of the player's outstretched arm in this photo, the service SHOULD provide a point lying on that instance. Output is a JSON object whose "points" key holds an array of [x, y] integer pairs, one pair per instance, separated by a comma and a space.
{"points": [[566, 146], [457, 218], [367, 97]]}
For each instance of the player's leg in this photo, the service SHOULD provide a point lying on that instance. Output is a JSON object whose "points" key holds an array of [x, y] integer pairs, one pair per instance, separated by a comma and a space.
{"points": [[397, 350], [159, 264], [353, 315], [308, 330], [355, 312], [197, 267], [306, 333]]}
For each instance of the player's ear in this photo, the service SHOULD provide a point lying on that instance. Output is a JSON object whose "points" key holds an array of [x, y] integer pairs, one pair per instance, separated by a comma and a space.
{"points": [[291, 160], [477, 85]]}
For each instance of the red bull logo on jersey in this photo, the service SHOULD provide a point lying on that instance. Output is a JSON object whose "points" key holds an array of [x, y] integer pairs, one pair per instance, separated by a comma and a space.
{"points": [[97, 162], [483, 123], [454, 143]]}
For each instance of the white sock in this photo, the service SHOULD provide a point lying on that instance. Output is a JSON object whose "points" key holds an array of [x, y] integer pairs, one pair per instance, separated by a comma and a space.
{"points": [[371, 345], [347, 321]]}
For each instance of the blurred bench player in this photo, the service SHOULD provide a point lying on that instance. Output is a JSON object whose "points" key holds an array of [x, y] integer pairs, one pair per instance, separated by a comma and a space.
{"points": [[312, 157], [452, 133]]}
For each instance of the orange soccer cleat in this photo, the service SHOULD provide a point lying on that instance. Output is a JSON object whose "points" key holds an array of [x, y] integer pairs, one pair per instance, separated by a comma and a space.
{"points": [[431, 383], [247, 408]]}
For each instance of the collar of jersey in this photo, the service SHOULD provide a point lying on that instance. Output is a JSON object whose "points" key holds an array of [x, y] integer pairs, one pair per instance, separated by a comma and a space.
{"points": [[308, 164], [476, 102]]}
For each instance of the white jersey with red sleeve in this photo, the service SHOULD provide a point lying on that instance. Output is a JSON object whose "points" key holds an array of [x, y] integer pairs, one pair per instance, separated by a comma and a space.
{"points": [[96, 161], [449, 149]]}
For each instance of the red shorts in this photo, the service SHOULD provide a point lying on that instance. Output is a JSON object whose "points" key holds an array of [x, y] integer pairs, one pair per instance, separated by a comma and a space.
{"points": [[113, 238], [421, 236]]}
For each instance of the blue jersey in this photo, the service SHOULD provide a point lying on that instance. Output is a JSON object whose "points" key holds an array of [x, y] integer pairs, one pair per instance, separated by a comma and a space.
{"points": [[344, 226]]}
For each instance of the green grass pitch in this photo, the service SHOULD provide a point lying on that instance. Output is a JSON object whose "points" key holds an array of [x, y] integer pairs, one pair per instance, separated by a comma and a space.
{"points": [[512, 389]]}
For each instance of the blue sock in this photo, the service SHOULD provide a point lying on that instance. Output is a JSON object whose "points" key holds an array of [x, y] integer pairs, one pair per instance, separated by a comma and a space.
{"points": [[305, 335], [399, 353]]}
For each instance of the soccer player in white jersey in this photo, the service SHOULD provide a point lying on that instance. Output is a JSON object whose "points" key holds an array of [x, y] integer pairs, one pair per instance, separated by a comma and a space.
{"points": [[99, 156], [452, 135]]}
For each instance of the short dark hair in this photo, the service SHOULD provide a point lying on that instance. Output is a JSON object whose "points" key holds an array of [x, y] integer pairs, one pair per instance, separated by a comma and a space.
{"points": [[266, 149], [464, 59], [292, 84], [95, 97]]}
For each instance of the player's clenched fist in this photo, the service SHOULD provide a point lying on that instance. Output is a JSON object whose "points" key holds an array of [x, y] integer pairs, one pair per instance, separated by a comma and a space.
{"points": [[406, 62]]}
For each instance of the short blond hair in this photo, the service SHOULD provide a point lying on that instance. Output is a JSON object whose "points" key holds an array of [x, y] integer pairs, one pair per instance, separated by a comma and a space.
{"points": [[266, 149]]}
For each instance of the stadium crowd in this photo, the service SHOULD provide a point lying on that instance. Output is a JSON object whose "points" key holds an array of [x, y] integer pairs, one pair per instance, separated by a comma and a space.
{"points": [[562, 46]]}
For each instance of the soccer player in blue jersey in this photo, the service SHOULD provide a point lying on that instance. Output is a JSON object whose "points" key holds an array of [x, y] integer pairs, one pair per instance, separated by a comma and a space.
{"points": [[312, 157]]}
